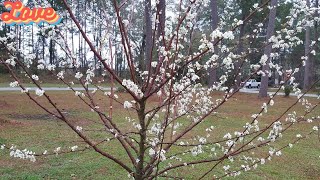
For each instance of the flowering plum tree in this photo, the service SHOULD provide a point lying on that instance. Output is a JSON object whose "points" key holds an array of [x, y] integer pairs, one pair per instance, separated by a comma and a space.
{"points": [[157, 138]]}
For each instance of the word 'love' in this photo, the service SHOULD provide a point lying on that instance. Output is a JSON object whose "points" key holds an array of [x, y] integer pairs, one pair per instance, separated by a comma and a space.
{"points": [[21, 15]]}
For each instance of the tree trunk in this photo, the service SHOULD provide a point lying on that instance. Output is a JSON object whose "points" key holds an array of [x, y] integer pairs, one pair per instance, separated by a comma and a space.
{"points": [[43, 45], [316, 36], [314, 65], [268, 49], [162, 19], [239, 52], [307, 68], [51, 51], [214, 24], [142, 141], [148, 32]]}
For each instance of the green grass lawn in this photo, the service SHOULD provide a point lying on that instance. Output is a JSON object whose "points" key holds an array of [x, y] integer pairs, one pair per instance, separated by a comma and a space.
{"points": [[49, 81], [24, 124], [55, 85]]}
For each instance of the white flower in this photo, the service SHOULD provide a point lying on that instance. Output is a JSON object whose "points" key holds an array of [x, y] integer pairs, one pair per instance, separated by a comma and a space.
{"points": [[226, 167], [11, 62], [22, 154], [78, 75], [185, 164], [152, 152], [73, 148], [256, 67], [79, 129], [265, 107], [2, 146], [239, 22], [228, 35], [14, 84], [60, 75], [51, 67], [299, 136], [77, 93], [35, 77], [202, 140], [254, 116], [278, 153], [138, 126], [155, 129], [127, 105], [40, 67], [162, 155], [216, 34], [39, 92], [271, 102], [227, 136], [315, 128], [271, 151], [154, 64], [125, 22], [57, 150], [25, 91], [264, 59], [229, 143], [263, 161], [132, 87], [290, 145]]}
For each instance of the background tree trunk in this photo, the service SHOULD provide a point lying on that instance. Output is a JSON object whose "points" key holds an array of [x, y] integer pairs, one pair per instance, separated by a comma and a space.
{"points": [[316, 36], [237, 65], [162, 18], [148, 32], [214, 24], [268, 49], [307, 68]]}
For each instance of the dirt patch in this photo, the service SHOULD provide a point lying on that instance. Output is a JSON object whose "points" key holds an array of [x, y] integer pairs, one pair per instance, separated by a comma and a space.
{"points": [[31, 116], [84, 122], [4, 104], [5, 122]]}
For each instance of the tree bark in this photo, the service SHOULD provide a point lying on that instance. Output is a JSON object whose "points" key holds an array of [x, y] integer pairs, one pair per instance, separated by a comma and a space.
{"points": [[142, 142], [148, 32], [239, 52], [214, 25], [307, 68], [268, 49], [162, 18], [316, 36], [51, 52]]}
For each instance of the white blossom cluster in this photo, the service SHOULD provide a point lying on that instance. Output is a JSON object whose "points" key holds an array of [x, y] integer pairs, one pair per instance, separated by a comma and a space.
{"points": [[14, 84], [132, 87], [22, 154], [39, 92]]}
